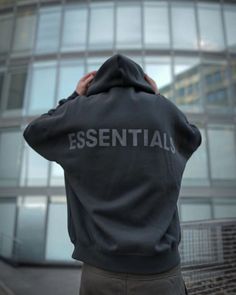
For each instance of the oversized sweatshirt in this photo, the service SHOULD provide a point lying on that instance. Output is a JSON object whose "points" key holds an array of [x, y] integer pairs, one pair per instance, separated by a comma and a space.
{"points": [[123, 149]]}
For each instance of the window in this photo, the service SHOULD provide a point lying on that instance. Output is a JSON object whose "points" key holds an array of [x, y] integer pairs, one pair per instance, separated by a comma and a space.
{"points": [[184, 36], [7, 225], [10, 157], [31, 218], [128, 26], [24, 31], [6, 22], [75, 28], [156, 25], [211, 35], [49, 30], [101, 25], [34, 170], [1, 88], [187, 76], [159, 70], [58, 246], [195, 210], [216, 83], [196, 172], [222, 152], [71, 71], [43, 86], [57, 175], [230, 23], [16, 92], [224, 207]]}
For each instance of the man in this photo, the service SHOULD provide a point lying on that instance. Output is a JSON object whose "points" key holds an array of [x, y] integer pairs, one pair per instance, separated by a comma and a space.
{"points": [[123, 147]]}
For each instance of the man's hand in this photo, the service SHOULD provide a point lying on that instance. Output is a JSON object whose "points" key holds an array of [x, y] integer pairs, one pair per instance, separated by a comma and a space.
{"points": [[152, 83], [84, 83]]}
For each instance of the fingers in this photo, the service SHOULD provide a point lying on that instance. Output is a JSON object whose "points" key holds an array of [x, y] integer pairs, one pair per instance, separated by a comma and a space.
{"points": [[91, 74]]}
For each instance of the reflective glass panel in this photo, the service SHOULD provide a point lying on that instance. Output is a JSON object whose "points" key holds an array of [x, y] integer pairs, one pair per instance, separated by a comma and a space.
{"points": [[211, 36], [58, 246], [101, 25], [128, 26], [69, 75], [48, 30], [75, 28], [42, 87], [215, 83], [222, 151], [10, 157], [25, 30], [156, 24], [184, 36], [230, 23], [159, 69], [6, 24], [187, 83]]}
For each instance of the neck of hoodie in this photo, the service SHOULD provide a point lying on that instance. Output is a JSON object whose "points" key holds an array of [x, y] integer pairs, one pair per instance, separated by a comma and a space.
{"points": [[119, 70]]}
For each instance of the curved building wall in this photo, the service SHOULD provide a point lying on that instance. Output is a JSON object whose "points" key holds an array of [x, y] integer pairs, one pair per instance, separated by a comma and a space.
{"points": [[187, 47]]}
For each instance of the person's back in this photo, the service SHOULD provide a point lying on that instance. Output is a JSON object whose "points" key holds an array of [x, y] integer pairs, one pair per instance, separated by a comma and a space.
{"points": [[123, 149]]}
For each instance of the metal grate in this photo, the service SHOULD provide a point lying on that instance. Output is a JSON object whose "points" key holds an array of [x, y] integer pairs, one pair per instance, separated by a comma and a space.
{"points": [[208, 256]]}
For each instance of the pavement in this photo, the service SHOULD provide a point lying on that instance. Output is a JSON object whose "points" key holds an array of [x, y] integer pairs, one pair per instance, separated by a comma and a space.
{"points": [[31, 280]]}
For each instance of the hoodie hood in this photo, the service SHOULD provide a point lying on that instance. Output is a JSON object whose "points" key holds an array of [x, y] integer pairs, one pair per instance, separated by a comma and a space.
{"points": [[119, 70]]}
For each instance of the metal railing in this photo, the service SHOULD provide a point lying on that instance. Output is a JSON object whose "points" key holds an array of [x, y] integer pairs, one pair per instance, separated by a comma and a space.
{"points": [[207, 250], [208, 256]]}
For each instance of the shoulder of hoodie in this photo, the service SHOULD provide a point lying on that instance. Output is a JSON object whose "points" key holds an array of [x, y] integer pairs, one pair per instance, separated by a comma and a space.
{"points": [[171, 107]]}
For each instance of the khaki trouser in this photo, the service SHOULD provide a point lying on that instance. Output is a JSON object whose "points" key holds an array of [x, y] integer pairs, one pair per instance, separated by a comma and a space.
{"points": [[97, 281]]}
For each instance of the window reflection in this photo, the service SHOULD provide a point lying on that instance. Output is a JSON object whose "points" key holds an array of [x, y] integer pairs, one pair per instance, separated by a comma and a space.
{"points": [[10, 157], [159, 70], [233, 86], [75, 28], [16, 81], [48, 30], [156, 24], [128, 28], [25, 29], [42, 87], [224, 207], [1, 88], [222, 152], [34, 171], [215, 83], [187, 83], [195, 210], [71, 71], [57, 175], [7, 225], [58, 246], [31, 221], [101, 25], [230, 23], [184, 36], [6, 25], [211, 36], [196, 172]]}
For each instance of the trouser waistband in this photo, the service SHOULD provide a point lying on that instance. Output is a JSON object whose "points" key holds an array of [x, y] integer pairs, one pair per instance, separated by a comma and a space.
{"points": [[172, 272]]}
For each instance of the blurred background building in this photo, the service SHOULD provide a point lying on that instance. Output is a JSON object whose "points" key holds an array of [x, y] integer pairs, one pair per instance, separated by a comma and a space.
{"points": [[187, 47]]}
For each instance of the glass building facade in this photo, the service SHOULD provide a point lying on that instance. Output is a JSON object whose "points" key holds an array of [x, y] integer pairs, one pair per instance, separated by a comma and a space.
{"points": [[187, 47]]}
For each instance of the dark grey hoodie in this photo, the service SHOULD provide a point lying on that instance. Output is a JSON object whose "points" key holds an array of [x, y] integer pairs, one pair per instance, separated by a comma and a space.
{"points": [[123, 149]]}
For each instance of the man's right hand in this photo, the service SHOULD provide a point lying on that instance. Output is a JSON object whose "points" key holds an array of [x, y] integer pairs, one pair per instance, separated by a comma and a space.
{"points": [[152, 83]]}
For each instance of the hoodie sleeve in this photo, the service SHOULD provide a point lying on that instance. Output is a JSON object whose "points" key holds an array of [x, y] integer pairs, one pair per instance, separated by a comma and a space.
{"points": [[190, 137], [43, 133]]}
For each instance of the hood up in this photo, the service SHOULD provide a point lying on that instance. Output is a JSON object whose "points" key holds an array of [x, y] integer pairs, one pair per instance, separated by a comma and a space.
{"points": [[119, 70]]}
